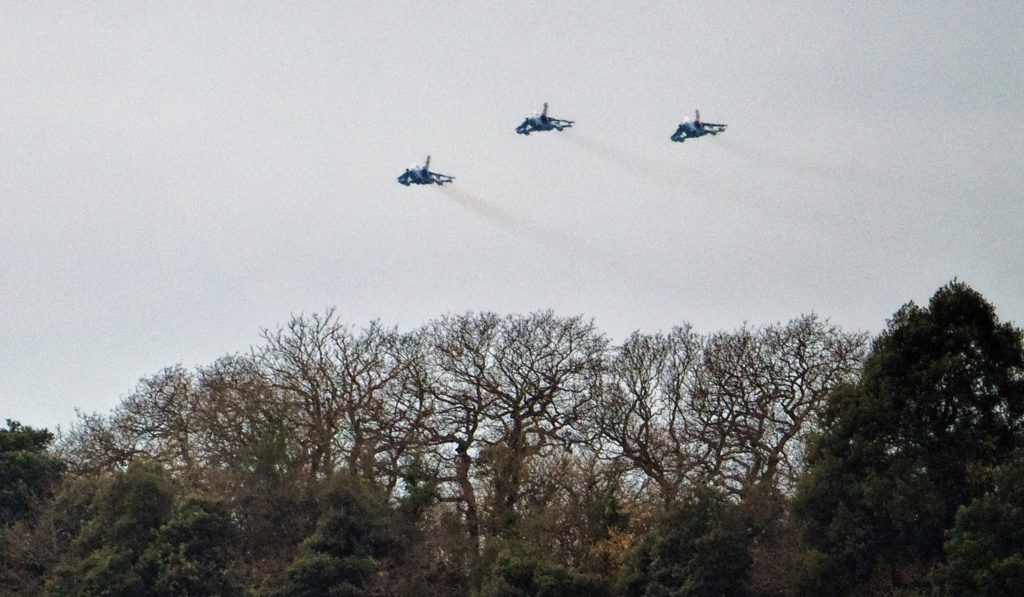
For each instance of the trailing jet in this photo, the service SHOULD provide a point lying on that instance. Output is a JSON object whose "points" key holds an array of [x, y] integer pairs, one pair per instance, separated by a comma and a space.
{"points": [[691, 129], [417, 174], [542, 122]]}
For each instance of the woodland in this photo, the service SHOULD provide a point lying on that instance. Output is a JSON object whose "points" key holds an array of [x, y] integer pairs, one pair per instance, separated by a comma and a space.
{"points": [[528, 455]]}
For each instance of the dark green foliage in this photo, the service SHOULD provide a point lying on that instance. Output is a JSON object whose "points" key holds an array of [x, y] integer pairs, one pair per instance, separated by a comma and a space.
{"points": [[321, 574], [700, 547], [343, 554], [26, 554], [27, 470], [129, 509], [28, 477], [985, 548], [107, 570], [274, 511], [511, 570], [191, 551], [139, 543], [942, 394], [420, 491], [774, 540]]}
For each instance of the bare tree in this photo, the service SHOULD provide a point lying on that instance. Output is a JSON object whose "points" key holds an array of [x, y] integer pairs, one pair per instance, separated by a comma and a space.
{"points": [[505, 391], [460, 358], [300, 363], [155, 419], [241, 422], [347, 391], [94, 443], [772, 383], [643, 416], [729, 409]]}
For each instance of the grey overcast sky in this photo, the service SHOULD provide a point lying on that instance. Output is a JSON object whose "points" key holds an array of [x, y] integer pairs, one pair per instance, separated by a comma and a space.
{"points": [[175, 176]]}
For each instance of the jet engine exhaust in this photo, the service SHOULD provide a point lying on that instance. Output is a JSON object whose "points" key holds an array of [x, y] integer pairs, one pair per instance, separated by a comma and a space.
{"points": [[486, 210], [642, 167], [599, 256], [801, 168]]}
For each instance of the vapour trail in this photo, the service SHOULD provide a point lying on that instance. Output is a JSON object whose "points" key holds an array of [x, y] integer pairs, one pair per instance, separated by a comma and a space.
{"points": [[558, 241], [773, 160], [800, 168], [644, 167], [554, 238], [480, 207]]}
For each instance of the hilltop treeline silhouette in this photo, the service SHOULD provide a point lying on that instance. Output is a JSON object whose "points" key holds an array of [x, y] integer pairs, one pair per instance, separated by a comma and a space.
{"points": [[527, 455]]}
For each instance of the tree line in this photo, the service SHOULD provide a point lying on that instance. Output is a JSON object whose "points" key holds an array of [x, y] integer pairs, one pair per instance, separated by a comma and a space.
{"points": [[528, 455]]}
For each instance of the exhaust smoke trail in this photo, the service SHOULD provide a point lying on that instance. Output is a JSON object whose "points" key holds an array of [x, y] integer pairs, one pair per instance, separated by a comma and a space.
{"points": [[616, 263], [644, 167], [480, 207], [800, 168], [476, 205]]}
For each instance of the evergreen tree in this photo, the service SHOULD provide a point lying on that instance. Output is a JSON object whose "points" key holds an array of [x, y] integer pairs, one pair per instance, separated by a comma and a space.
{"points": [[129, 509], [138, 542], [510, 569], [191, 551], [27, 470], [942, 395], [699, 548], [343, 555], [28, 476], [985, 548]]}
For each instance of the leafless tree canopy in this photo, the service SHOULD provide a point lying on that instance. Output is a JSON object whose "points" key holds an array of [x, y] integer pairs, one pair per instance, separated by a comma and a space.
{"points": [[507, 413], [728, 409]]}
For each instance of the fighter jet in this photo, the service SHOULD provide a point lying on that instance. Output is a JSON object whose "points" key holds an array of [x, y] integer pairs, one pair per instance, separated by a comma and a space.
{"points": [[542, 122], [417, 174], [691, 129]]}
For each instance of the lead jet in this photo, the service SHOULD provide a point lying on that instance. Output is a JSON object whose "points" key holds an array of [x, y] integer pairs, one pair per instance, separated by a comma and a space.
{"points": [[691, 129], [422, 175], [542, 122]]}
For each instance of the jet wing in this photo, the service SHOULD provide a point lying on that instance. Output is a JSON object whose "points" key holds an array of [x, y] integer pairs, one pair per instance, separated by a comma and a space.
{"points": [[441, 179]]}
